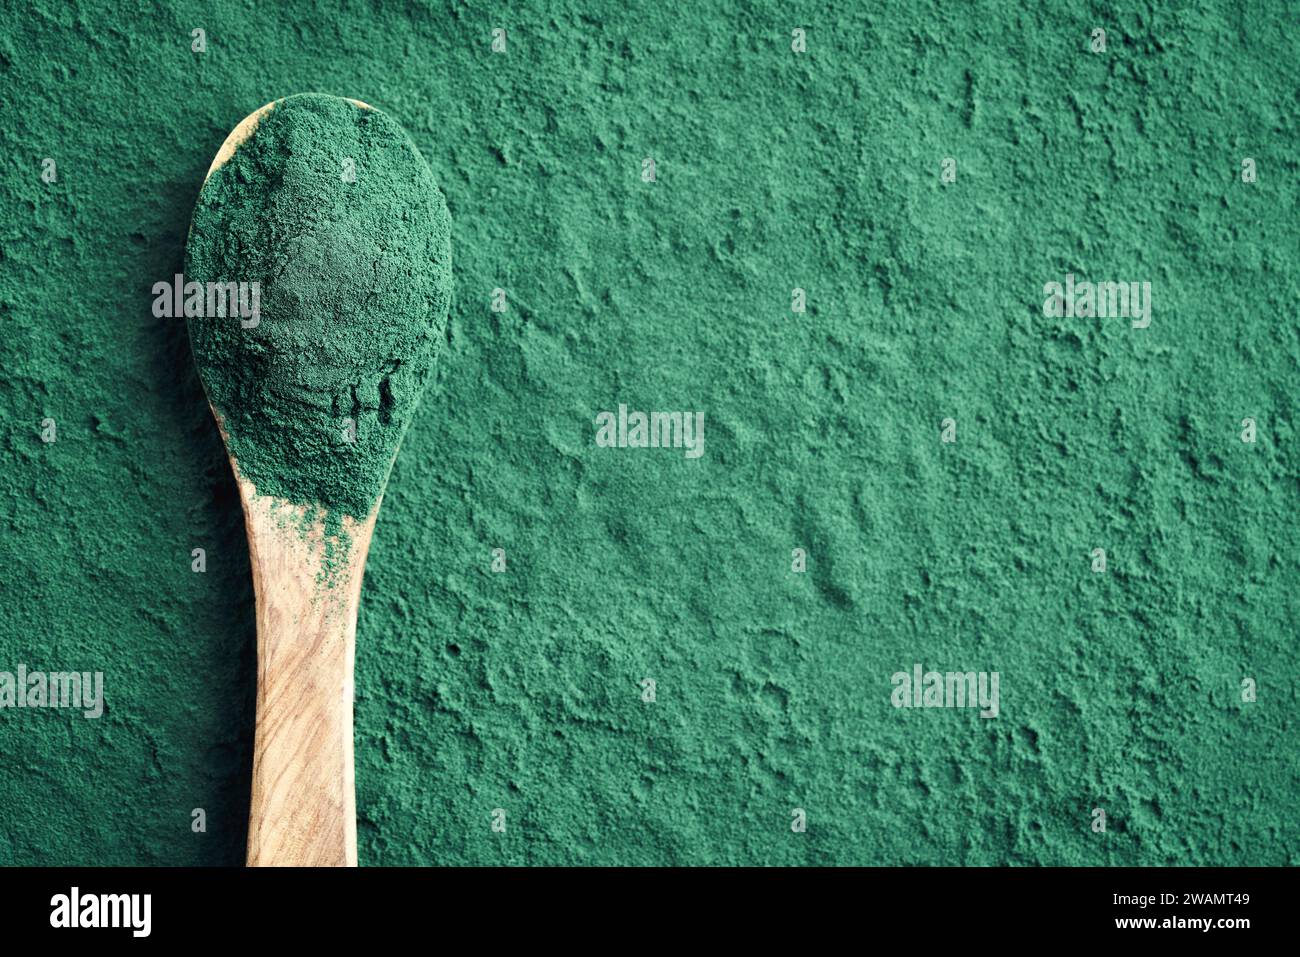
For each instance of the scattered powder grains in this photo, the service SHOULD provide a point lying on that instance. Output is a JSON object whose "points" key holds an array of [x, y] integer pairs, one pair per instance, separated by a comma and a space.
{"points": [[333, 213]]}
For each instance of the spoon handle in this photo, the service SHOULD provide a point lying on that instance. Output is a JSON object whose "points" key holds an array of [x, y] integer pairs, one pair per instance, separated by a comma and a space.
{"points": [[303, 810]]}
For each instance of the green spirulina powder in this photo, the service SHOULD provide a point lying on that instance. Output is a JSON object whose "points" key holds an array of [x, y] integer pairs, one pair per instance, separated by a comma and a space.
{"points": [[331, 219]]}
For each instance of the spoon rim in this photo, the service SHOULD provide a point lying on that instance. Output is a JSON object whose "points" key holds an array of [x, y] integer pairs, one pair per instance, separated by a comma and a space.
{"points": [[246, 127]]}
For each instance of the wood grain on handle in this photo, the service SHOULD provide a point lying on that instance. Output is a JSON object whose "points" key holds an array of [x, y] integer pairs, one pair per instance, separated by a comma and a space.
{"points": [[303, 809]]}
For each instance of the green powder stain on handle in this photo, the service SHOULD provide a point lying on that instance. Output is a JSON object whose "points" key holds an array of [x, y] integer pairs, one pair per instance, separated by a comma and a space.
{"points": [[333, 212]]}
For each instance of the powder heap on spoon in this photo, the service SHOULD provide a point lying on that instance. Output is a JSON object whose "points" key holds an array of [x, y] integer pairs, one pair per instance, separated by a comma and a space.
{"points": [[334, 212]]}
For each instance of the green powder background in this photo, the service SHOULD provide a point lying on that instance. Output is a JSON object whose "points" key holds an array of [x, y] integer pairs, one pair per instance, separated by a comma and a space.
{"points": [[330, 209], [775, 170]]}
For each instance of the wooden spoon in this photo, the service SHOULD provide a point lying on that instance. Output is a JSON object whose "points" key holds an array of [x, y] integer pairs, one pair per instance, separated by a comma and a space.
{"points": [[303, 810]]}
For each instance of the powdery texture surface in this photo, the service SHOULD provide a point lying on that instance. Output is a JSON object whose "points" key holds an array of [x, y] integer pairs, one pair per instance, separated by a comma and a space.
{"points": [[523, 690]]}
